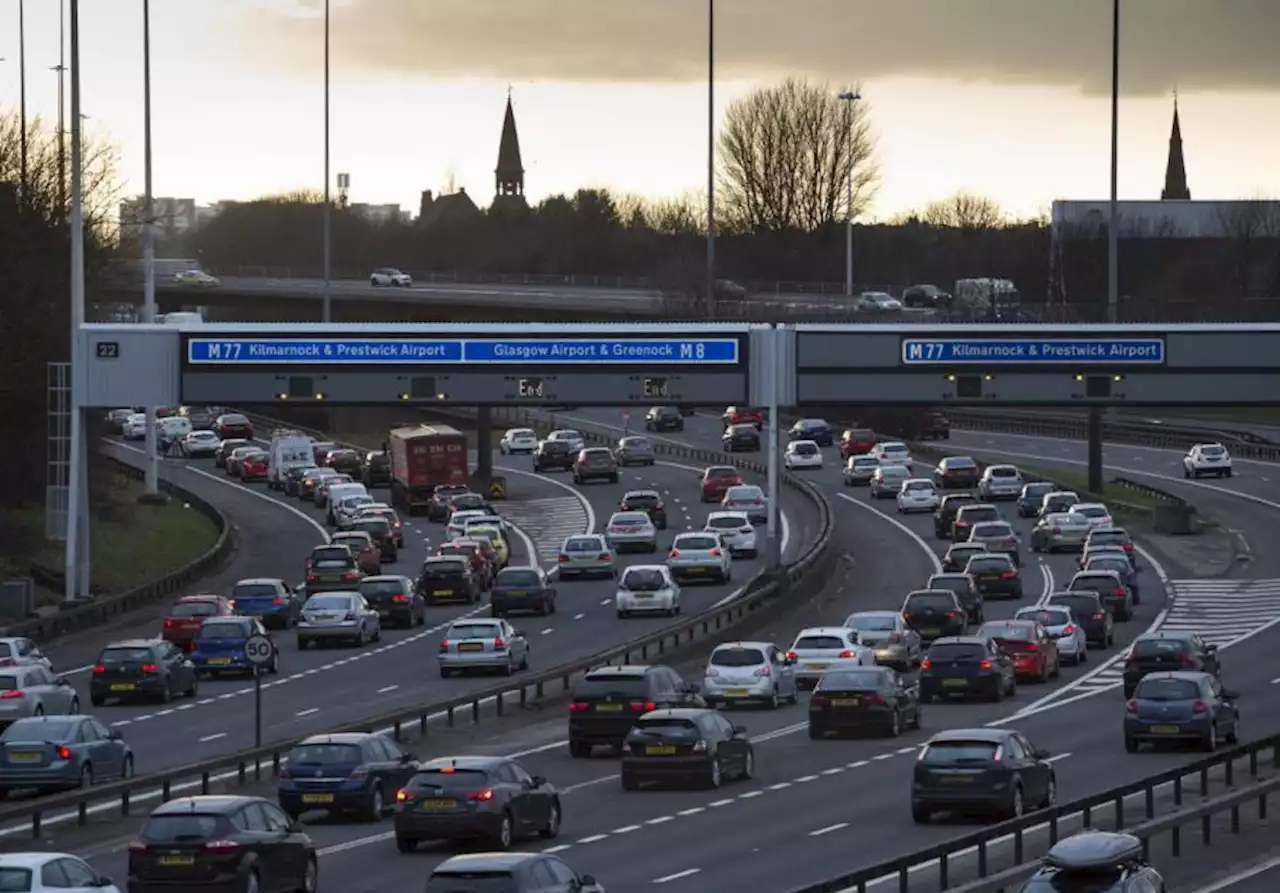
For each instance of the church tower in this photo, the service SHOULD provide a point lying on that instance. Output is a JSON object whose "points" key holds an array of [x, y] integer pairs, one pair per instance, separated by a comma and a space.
{"points": [[509, 174], [1175, 174]]}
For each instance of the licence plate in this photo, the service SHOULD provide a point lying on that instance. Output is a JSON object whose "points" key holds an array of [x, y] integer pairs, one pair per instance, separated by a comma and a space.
{"points": [[739, 692], [515, 592], [471, 646], [608, 708], [933, 632], [123, 686], [177, 860], [442, 592], [845, 702], [1165, 730], [660, 751], [437, 805], [817, 666], [954, 683], [384, 612], [695, 570], [317, 798], [644, 595], [989, 578], [219, 660], [957, 779], [584, 557], [24, 757]]}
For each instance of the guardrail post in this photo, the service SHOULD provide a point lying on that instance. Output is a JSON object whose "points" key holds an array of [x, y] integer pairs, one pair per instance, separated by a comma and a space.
{"points": [[904, 881], [1230, 773], [1086, 817], [1018, 844], [1235, 819], [422, 725], [275, 764], [1175, 842], [448, 715], [1204, 781], [1119, 811], [1150, 802], [1206, 829], [166, 789], [124, 803], [241, 772], [1053, 829], [1177, 791], [475, 710], [498, 702], [944, 865], [204, 782], [35, 823], [395, 731]]}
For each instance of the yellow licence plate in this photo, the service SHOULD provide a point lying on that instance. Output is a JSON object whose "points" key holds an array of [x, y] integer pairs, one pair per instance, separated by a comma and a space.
{"points": [[845, 702], [515, 592], [438, 805], [24, 757], [471, 646], [123, 686], [442, 592], [317, 798], [739, 692], [608, 708], [818, 666], [957, 779], [660, 751], [954, 683], [931, 633], [177, 860], [1166, 730], [219, 660]]}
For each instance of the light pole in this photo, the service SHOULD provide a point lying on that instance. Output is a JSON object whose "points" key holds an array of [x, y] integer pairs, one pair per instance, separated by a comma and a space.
{"points": [[22, 93], [849, 98], [328, 231], [77, 489], [61, 69], [1113, 234], [711, 154], [148, 238]]}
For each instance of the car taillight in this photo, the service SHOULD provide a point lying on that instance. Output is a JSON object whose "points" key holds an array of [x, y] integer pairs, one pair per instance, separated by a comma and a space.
{"points": [[927, 664], [1069, 630], [499, 644], [222, 846], [1130, 659], [577, 707], [908, 617], [605, 556], [1188, 661], [675, 553], [403, 796], [168, 622], [643, 706], [150, 668], [955, 615], [716, 552], [1101, 615], [1118, 593], [11, 694], [983, 664], [874, 699], [793, 655], [277, 600], [480, 796], [8, 662], [62, 753], [1131, 706], [400, 599], [99, 668], [351, 575], [817, 701], [763, 671], [847, 654], [562, 558], [1033, 648], [311, 578], [1128, 547], [962, 523], [1199, 707], [1011, 575], [444, 644]]}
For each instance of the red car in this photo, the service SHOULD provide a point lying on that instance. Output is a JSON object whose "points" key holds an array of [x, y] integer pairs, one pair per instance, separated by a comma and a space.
{"points": [[857, 442], [717, 479], [743, 415], [1034, 651], [233, 424], [183, 620], [253, 467], [320, 450]]}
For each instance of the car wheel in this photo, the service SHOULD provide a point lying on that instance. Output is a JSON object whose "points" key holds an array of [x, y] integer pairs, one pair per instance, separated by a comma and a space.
{"points": [[895, 725], [920, 814], [505, 835], [74, 708], [97, 700], [126, 768], [774, 701], [376, 807], [1210, 742], [748, 766], [714, 777], [1131, 744], [1016, 805], [552, 828], [579, 750]]}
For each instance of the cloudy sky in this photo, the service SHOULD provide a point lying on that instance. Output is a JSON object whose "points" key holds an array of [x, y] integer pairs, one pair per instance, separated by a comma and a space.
{"points": [[1003, 97]]}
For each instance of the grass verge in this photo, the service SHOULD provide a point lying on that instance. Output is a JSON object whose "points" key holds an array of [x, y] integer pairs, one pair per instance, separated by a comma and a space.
{"points": [[1255, 415]]}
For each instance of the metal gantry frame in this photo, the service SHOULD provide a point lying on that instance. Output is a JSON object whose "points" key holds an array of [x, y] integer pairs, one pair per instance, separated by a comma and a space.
{"points": [[57, 476]]}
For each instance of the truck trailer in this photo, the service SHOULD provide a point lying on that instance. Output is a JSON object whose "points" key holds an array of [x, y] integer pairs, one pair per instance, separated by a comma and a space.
{"points": [[424, 457]]}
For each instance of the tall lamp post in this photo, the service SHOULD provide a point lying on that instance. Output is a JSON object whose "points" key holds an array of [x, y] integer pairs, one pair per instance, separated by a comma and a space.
{"points": [[148, 236], [849, 97], [711, 153], [22, 93], [1113, 233], [77, 490], [328, 231]]}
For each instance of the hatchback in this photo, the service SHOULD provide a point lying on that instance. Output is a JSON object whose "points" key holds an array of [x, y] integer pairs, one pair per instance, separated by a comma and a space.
{"points": [[700, 556], [1059, 530], [345, 617], [717, 479], [968, 516], [396, 600], [965, 589], [1031, 497], [749, 499], [663, 418], [585, 555], [220, 647], [1073, 644], [956, 559], [608, 700], [1183, 705], [182, 621], [887, 481], [967, 667], [820, 650], [647, 501], [995, 575], [917, 495], [1089, 613], [893, 453], [749, 672], [518, 440], [631, 532], [647, 589], [998, 537], [744, 438], [857, 442], [1059, 501], [509, 872], [449, 578], [521, 589], [802, 454], [50, 753], [1115, 595], [986, 771], [483, 645], [887, 634], [1098, 514], [875, 699], [332, 568], [735, 531], [689, 745], [368, 555], [635, 451], [353, 773], [859, 470], [1165, 651], [1034, 651], [593, 464], [934, 613], [143, 669], [1114, 536], [956, 473], [1000, 482]]}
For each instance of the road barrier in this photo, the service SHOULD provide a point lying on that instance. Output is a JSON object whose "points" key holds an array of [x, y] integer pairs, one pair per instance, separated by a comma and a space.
{"points": [[1111, 809], [90, 613], [768, 591]]}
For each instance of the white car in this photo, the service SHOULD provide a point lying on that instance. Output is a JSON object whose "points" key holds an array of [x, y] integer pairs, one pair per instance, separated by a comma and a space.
{"points": [[1207, 458], [484, 520], [574, 439], [134, 427], [878, 300], [892, 453], [802, 454], [746, 672], [859, 470], [647, 589], [735, 530], [457, 526], [887, 481], [700, 556], [821, 649], [1073, 646], [197, 278], [917, 495], [631, 532], [1098, 514], [1000, 482], [518, 440], [73, 874], [201, 443], [390, 277]]}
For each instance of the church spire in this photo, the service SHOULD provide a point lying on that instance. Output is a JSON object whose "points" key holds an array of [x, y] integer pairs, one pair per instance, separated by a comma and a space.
{"points": [[509, 174], [1175, 174]]}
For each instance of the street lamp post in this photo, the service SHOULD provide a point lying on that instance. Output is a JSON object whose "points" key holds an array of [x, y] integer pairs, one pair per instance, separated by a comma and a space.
{"points": [[1113, 234], [711, 154], [148, 238], [849, 97], [328, 231], [22, 94], [77, 489]]}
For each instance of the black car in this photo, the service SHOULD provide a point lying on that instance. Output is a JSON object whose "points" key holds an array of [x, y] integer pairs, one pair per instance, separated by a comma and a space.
{"points": [[1090, 614], [969, 515], [509, 873], [331, 569], [608, 700], [345, 461], [686, 744], [1115, 595], [1007, 775], [521, 589], [344, 772], [944, 516], [1157, 652], [468, 501], [741, 439], [438, 508], [816, 430], [226, 448], [956, 559], [967, 667], [866, 699], [1113, 536], [935, 613], [225, 842], [1119, 563], [1096, 862], [375, 469], [447, 578], [663, 418], [965, 589], [957, 473], [647, 501], [488, 799], [142, 669], [929, 296], [553, 455], [383, 534], [396, 600], [292, 478], [995, 576]]}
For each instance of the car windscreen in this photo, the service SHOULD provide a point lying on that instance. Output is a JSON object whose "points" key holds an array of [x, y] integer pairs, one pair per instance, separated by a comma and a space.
{"points": [[643, 580], [641, 500], [196, 609], [992, 529], [327, 754], [186, 827], [530, 579], [696, 543], [223, 629], [974, 514], [1010, 633], [382, 587], [1160, 647], [450, 778], [669, 727], [943, 753], [1167, 690], [329, 603], [618, 685], [959, 462], [981, 564], [1078, 605], [1213, 451], [853, 680], [441, 569], [629, 519], [954, 584], [806, 643], [1119, 564], [473, 631], [584, 544], [737, 657], [929, 601], [998, 471], [1047, 618], [871, 622], [1092, 583], [116, 656], [1108, 538], [1090, 511], [373, 526], [15, 880], [952, 651], [805, 449], [924, 486], [726, 522]]}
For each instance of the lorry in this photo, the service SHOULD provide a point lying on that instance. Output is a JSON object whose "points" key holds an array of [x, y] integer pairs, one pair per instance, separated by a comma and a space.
{"points": [[986, 299], [288, 450], [424, 457]]}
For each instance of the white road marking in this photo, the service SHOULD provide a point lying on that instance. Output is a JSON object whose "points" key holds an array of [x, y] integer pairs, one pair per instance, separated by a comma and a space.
{"points": [[214, 737], [688, 872], [915, 537], [827, 830]]}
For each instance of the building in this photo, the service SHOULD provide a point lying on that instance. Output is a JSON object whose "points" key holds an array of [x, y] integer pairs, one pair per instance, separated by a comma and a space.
{"points": [[446, 210], [508, 176], [379, 214], [172, 215]]}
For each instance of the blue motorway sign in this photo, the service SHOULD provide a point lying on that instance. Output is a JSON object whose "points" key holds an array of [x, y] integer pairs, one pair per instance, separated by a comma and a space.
{"points": [[242, 351], [1036, 352]]}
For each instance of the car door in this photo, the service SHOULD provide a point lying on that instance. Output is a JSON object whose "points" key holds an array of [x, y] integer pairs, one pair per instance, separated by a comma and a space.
{"points": [[1223, 707], [291, 846], [383, 761], [39, 682], [1000, 658], [404, 766], [78, 877], [785, 673], [255, 835], [1207, 654], [532, 806], [519, 644], [717, 732], [1035, 771]]}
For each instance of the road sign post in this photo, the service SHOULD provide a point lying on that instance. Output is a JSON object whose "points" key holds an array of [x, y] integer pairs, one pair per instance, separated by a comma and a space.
{"points": [[260, 651]]}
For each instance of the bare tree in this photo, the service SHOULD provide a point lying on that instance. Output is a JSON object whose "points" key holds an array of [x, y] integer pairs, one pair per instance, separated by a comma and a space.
{"points": [[787, 154], [1248, 226], [964, 210], [680, 216], [100, 162]]}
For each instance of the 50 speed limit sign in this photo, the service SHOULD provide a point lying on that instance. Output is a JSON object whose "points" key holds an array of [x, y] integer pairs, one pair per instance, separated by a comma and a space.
{"points": [[259, 650]]}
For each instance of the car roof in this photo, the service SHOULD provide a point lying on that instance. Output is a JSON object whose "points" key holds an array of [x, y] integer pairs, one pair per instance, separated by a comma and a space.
{"points": [[259, 580], [823, 631], [958, 640], [947, 575], [678, 713], [1180, 635], [485, 862], [208, 596], [875, 614], [995, 736], [1031, 609], [338, 738], [739, 646], [130, 643], [618, 670], [1015, 622], [1187, 675], [631, 493], [28, 860], [204, 803], [463, 762], [383, 578], [724, 514]]}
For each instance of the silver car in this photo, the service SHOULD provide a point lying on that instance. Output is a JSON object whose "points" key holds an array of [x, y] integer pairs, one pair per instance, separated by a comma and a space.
{"points": [[700, 556], [749, 672], [1073, 646], [483, 645], [45, 753], [19, 651], [887, 480], [819, 650], [859, 470], [647, 589], [632, 532], [338, 617], [887, 634], [634, 451], [321, 495], [749, 499], [1000, 482], [348, 509], [585, 555], [997, 536], [1059, 530], [735, 530], [33, 690], [1098, 514], [570, 438]]}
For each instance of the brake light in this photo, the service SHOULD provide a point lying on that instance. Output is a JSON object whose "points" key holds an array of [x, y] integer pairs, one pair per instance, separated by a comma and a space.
{"points": [[716, 552], [577, 707], [150, 668], [643, 706], [998, 755], [1033, 648], [1118, 593], [480, 796], [311, 578], [962, 523], [675, 553], [817, 701], [793, 655], [403, 796], [1131, 706], [983, 664], [222, 846], [847, 654], [1011, 575], [168, 622], [8, 662], [400, 599], [138, 846], [351, 575], [62, 753], [1128, 547], [1188, 661], [1069, 630], [359, 772], [1101, 615], [444, 644], [1199, 707], [955, 615], [562, 557], [908, 617], [763, 671], [875, 699], [927, 664], [1130, 659], [499, 644], [605, 556], [99, 668], [11, 694]]}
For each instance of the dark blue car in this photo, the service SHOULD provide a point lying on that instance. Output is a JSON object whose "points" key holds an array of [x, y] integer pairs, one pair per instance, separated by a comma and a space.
{"points": [[1032, 497], [518, 589], [268, 599], [219, 646], [345, 772], [1181, 706]]}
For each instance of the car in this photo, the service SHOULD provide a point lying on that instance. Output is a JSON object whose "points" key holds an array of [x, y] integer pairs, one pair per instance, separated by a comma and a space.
{"points": [[254, 465], [344, 773], [663, 418], [449, 578], [201, 444], [135, 426], [861, 699], [935, 613], [608, 700], [859, 470], [926, 296], [380, 532], [716, 479], [887, 481], [330, 489], [492, 542], [735, 531], [233, 426], [396, 599], [345, 503], [200, 417], [742, 438], [739, 415], [1075, 864], [390, 277], [1059, 501], [917, 495], [1096, 512], [647, 501], [801, 454], [291, 480], [183, 618], [553, 455], [344, 617], [46, 872], [1000, 482], [748, 499], [1117, 597], [116, 419], [1059, 530], [572, 438], [1114, 560], [889, 636], [631, 532], [694, 746], [332, 567], [634, 451], [892, 452], [1114, 536], [521, 589], [1103, 551], [440, 507], [1070, 637], [310, 483], [320, 450], [518, 440], [944, 518], [33, 690], [386, 512], [877, 301], [491, 800], [1181, 705], [375, 469], [999, 538], [857, 442], [483, 645], [816, 430], [368, 556], [1034, 651], [220, 647], [967, 667], [701, 556], [647, 589], [196, 278], [957, 473], [749, 672], [595, 463], [1089, 613], [269, 599], [512, 872], [457, 525], [1031, 497], [956, 558], [819, 650], [965, 589], [233, 466], [141, 669], [969, 515], [585, 555], [1010, 775], [995, 575], [1205, 459], [1168, 650]]}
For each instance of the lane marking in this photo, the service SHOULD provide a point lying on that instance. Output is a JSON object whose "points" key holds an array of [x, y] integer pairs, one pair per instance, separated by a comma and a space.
{"points": [[1238, 877], [688, 872], [827, 830], [915, 537], [213, 737]]}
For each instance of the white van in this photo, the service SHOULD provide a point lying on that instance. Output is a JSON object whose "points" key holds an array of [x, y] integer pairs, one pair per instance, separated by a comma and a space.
{"points": [[339, 492], [288, 450]]}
